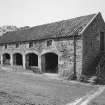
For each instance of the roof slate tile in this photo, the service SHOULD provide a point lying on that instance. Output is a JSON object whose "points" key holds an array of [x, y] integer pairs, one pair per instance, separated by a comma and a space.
{"points": [[63, 28]]}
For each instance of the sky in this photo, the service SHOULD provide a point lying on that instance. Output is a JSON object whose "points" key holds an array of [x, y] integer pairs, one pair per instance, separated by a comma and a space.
{"points": [[36, 12]]}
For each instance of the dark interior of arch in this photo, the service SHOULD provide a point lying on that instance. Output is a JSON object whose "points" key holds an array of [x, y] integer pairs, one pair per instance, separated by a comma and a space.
{"points": [[6, 59], [17, 59], [31, 59], [50, 63]]}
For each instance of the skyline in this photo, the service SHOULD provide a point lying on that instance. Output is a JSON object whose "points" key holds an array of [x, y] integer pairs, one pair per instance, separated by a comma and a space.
{"points": [[22, 13]]}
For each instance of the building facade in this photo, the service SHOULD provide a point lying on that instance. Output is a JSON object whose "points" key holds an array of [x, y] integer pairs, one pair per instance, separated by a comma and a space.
{"points": [[65, 47]]}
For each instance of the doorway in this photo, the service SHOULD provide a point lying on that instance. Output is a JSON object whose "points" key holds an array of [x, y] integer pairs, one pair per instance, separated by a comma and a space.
{"points": [[31, 60], [50, 63]]}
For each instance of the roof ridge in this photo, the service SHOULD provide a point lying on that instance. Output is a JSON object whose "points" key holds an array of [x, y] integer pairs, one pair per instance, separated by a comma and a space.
{"points": [[50, 30], [63, 20], [89, 22]]}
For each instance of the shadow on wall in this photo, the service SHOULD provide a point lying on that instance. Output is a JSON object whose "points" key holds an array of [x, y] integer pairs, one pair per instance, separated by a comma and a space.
{"points": [[96, 71], [92, 68]]}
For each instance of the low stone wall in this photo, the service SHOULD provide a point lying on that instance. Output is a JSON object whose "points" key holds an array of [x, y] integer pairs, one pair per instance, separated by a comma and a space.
{"points": [[64, 48]]}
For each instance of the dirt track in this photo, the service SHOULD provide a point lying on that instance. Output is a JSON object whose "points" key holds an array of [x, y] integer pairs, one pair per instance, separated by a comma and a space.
{"points": [[85, 100]]}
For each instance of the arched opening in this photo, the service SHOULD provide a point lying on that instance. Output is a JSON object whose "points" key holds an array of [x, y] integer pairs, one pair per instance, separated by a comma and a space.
{"points": [[6, 59], [31, 60], [49, 63], [17, 59]]}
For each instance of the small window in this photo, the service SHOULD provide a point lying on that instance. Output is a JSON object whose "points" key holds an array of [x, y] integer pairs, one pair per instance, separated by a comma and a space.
{"points": [[30, 44], [91, 44], [17, 45], [5, 46], [49, 42], [34, 42], [86, 43], [101, 41]]}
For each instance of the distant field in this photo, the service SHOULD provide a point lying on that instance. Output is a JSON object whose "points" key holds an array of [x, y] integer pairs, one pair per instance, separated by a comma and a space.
{"points": [[30, 89]]}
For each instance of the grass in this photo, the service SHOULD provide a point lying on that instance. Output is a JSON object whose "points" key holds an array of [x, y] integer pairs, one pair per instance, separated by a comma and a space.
{"points": [[18, 88]]}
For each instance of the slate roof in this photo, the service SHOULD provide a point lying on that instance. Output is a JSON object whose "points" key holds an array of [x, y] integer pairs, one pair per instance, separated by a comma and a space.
{"points": [[63, 28]]}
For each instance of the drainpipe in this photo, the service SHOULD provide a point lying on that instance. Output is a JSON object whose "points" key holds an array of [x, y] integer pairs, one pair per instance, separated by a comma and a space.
{"points": [[74, 75]]}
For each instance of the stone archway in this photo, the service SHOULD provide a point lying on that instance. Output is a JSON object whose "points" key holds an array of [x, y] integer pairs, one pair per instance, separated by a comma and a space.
{"points": [[17, 59], [6, 59], [31, 60], [49, 62]]}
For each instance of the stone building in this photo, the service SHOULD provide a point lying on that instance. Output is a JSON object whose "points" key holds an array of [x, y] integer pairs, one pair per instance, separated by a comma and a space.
{"points": [[68, 46]]}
